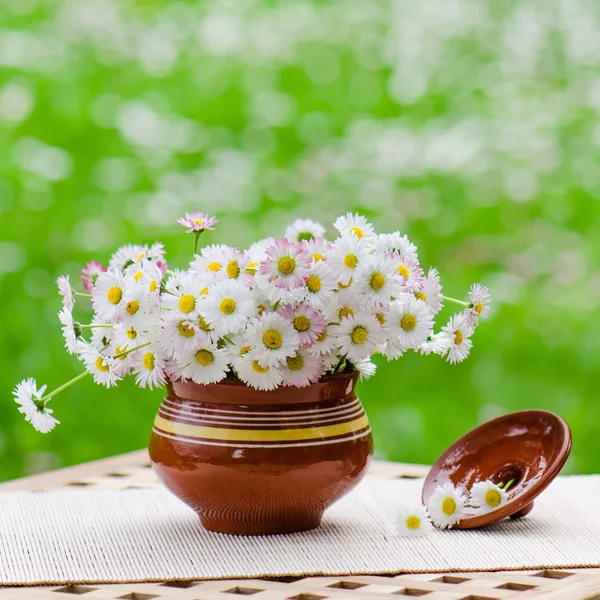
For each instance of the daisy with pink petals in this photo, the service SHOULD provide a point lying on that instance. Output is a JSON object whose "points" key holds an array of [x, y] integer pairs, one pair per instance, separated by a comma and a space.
{"points": [[65, 290], [90, 273], [308, 322], [286, 266], [197, 221], [409, 270], [301, 369]]}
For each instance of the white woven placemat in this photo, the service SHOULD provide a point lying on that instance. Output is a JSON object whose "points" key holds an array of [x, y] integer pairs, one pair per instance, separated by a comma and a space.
{"points": [[148, 535]]}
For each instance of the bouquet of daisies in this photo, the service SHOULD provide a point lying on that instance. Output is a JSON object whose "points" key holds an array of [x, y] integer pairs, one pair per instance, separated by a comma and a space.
{"points": [[284, 312]]}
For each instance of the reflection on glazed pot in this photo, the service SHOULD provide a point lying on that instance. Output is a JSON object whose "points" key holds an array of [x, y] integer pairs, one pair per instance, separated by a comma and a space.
{"points": [[251, 462]]}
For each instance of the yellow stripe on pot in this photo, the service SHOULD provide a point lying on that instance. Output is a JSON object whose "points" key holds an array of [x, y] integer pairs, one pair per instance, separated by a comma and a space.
{"points": [[260, 435]]}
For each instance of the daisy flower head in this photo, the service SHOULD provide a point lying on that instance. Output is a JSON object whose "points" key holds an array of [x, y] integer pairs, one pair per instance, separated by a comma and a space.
{"points": [[324, 344], [66, 318], [458, 333], [149, 275], [100, 337], [346, 255], [31, 404], [320, 287], [409, 271], [204, 364], [409, 322], [486, 496], [148, 366], [430, 291], [318, 249], [256, 374], [136, 305], [395, 243], [184, 292], [301, 369], [108, 295], [375, 279], [65, 290], [179, 335], [308, 322], [98, 364], [357, 226], [235, 265], [126, 256], [358, 336], [366, 368], [414, 521], [228, 306], [446, 506], [304, 229], [236, 346], [197, 221], [272, 338], [480, 299], [345, 304], [211, 262], [90, 273], [437, 343], [286, 266]]}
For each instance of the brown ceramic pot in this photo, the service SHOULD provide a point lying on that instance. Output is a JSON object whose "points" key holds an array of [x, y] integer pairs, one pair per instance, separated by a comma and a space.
{"points": [[253, 463]]}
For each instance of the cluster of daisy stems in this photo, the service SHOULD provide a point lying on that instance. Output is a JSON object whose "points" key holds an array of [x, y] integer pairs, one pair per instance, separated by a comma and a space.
{"points": [[284, 312]]}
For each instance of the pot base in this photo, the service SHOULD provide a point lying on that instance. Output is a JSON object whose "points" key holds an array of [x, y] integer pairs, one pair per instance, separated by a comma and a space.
{"points": [[268, 526]]}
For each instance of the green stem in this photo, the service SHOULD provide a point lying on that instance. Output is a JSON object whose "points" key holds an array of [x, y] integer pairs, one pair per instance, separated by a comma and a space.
{"points": [[342, 359], [132, 350], [465, 304], [93, 325], [196, 238], [169, 272], [64, 386], [508, 485], [82, 294]]}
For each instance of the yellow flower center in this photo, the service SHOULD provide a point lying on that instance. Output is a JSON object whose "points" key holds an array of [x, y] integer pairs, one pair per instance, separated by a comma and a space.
{"points": [[233, 269], [346, 311], [323, 336], [493, 498], [261, 309], [153, 286], [345, 287], [251, 268], [120, 351], [413, 522], [227, 306], [357, 231], [286, 265], [259, 368], [272, 339], [359, 335], [380, 318], [350, 260], [187, 303], [131, 333], [245, 350], [101, 365], [138, 275], [114, 295], [458, 337], [295, 363], [148, 361], [185, 330], [421, 296], [408, 322], [313, 283], [204, 291], [204, 357], [214, 266], [198, 222], [140, 256], [204, 325], [132, 307], [448, 506], [301, 323], [478, 308], [377, 281], [404, 271], [317, 257]]}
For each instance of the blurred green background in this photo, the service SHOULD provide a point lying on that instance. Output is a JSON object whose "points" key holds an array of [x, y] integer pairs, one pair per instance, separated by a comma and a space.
{"points": [[472, 126]]}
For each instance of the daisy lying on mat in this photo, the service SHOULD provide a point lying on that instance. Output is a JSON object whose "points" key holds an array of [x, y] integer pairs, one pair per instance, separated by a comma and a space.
{"points": [[281, 313]]}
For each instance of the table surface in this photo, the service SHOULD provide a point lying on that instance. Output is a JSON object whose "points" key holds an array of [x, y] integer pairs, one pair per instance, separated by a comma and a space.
{"points": [[133, 471]]}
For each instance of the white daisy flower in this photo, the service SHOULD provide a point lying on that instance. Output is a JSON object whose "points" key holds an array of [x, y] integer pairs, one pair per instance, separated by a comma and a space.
{"points": [[236, 265], [308, 322], [257, 253], [320, 287], [376, 281], [205, 364], [236, 346], [65, 290], [256, 374], [179, 335], [365, 367], [108, 295], [30, 402], [302, 369], [358, 336], [272, 338], [480, 299], [394, 242], [430, 291], [486, 497], [414, 521], [446, 506], [318, 249], [136, 305], [408, 322], [330, 360], [357, 226], [347, 253], [286, 266], [211, 262], [149, 276], [149, 368], [409, 271], [100, 337], [99, 365], [324, 343], [228, 306], [126, 256], [66, 318], [344, 305], [184, 292], [304, 229], [437, 343], [155, 253], [457, 333]]}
